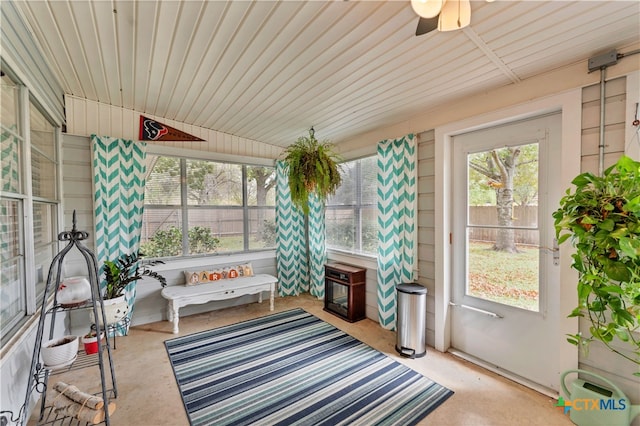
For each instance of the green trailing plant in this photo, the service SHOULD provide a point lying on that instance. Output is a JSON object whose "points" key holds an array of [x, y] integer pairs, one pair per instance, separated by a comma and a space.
{"points": [[313, 168], [602, 219], [126, 269]]}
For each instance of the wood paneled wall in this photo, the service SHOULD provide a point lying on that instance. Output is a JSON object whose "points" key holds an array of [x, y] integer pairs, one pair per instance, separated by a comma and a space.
{"points": [[85, 117], [599, 359], [614, 130], [426, 225], [77, 195], [150, 306]]}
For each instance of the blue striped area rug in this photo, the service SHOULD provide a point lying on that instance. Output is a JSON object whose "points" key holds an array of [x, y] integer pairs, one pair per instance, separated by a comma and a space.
{"points": [[292, 368]]}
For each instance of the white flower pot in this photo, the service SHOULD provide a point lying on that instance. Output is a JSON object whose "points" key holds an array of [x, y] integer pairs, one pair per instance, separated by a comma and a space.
{"points": [[114, 309], [59, 352]]}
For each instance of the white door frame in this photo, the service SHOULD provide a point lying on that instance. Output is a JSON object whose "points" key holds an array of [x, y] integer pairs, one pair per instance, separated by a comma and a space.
{"points": [[570, 104]]}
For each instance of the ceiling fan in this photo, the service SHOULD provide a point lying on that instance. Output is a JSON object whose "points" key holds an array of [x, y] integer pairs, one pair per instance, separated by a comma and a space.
{"points": [[443, 15]]}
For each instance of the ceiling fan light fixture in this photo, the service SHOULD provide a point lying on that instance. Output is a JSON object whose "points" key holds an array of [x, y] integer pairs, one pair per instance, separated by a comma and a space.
{"points": [[455, 14], [427, 8]]}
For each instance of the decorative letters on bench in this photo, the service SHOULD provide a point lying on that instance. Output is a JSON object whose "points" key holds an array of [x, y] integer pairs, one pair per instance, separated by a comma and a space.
{"points": [[228, 272], [182, 295]]}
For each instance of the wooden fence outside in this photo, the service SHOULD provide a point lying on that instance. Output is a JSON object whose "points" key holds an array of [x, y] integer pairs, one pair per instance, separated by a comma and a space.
{"points": [[488, 216]]}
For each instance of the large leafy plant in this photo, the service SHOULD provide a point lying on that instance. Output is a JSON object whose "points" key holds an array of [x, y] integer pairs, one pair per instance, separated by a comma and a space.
{"points": [[126, 269], [602, 219], [313, 168]]}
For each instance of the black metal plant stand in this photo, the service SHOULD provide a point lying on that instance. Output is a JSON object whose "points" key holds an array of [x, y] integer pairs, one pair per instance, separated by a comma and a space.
{"points": [[39, 374]]}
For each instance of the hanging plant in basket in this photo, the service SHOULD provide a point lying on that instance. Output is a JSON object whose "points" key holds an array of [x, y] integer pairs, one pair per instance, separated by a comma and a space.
{"points": [[313, 168], [602, 219]]}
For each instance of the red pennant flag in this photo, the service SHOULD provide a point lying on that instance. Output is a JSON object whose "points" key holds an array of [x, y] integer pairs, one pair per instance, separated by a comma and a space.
{"points": [[152, 130]]}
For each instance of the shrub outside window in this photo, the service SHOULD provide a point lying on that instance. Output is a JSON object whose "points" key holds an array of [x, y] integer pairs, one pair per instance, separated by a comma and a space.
{"points": [[200, 207], [351, 213]]}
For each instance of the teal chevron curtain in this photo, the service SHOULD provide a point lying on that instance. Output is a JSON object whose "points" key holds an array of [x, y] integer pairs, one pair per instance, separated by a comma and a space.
{"points": [[396, 222], [317, 246], [119, 168], [301, 247], [291, 251], [9, 150]]}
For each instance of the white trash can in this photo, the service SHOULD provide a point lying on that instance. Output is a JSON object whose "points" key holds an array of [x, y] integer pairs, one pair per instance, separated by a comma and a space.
{"points": [[411, 320]]}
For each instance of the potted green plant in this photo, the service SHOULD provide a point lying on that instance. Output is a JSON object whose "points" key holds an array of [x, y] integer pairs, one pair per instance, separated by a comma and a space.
{"points": [[313, 168], [602, 219], [119, 273], [90, 341]]}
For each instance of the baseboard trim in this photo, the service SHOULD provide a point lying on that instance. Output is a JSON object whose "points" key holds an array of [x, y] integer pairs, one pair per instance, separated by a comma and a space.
{"points": [[506, 374]]}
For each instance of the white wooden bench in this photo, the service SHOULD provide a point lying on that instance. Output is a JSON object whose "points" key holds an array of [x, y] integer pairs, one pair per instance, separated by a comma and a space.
{"points": [[180, 295]]}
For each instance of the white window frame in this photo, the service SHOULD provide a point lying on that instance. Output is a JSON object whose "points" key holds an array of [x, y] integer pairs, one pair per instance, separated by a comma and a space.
{"points": [[184, 207], [32, 300], [358, 206]]}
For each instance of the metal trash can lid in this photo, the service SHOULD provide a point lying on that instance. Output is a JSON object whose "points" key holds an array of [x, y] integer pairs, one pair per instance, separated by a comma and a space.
{"points": [[411, 288]]}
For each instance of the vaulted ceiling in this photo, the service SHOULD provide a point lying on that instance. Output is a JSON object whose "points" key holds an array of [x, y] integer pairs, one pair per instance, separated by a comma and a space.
{"points": [[269, 70]]}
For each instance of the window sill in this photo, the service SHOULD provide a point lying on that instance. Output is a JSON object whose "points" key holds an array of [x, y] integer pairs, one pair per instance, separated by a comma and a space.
{"points": [[218, 259], [362, 260]]}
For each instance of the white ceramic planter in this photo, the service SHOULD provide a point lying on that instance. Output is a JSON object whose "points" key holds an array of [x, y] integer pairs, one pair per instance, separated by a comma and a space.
{"points": [[59, 352], [114, 309]]}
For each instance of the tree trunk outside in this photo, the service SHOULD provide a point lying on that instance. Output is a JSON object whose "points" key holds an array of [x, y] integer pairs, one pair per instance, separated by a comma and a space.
{"points": [[263, 185], [505, 238]]}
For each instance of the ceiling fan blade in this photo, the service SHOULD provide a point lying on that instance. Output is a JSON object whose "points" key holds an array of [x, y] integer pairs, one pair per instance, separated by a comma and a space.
{"points": [[426, 25]]}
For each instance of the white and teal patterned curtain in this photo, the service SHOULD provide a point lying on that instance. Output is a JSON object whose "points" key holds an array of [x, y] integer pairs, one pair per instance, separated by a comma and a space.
{"points": [[291, 250], [9, 150], [396, 222], [317, 246], [119, 168], [301, 247]]}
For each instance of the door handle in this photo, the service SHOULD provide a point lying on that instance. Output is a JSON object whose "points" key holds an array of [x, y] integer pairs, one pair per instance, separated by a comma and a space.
{"points": [[480, 311]]}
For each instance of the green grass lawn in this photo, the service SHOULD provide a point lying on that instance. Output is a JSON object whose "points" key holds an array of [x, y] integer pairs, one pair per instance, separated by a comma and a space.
{"points": [[508, 278]]}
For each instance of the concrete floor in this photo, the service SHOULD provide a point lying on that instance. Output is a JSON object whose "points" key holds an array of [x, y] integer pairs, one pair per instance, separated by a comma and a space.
{"points": [[148, 394]]}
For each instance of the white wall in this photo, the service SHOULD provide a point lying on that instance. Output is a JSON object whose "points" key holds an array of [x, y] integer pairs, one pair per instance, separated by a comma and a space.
{"points": [[16, 362], [621, 137], [426, 226], [149, 306], [550, 83], [632, 133], [617, 101], [90, 117], [85, 117]]}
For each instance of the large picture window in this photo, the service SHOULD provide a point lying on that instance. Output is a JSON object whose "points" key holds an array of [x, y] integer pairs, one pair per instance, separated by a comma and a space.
{"points": [[29, 205], [351, 212], [201, 207]]}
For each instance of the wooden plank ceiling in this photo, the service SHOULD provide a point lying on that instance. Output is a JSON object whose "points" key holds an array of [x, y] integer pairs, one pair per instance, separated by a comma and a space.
{"points": [[269, 70]]}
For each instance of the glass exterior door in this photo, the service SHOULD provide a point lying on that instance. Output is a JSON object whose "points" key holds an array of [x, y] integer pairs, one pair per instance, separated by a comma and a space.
{"points": [[504, 306]]}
